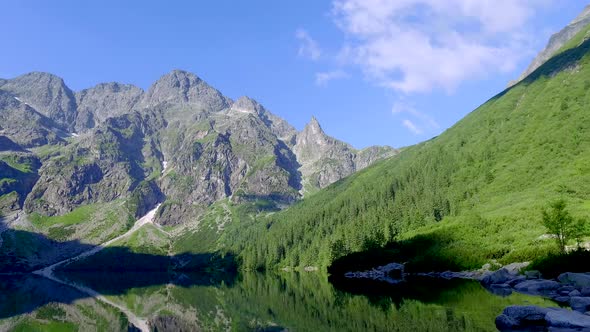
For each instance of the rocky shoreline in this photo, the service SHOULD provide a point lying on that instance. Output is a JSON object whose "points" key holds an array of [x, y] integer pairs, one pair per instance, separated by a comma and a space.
{"points": [[569, 289]]}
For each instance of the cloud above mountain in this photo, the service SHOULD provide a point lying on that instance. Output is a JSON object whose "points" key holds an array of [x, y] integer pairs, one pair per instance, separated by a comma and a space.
{"points": [[419, 45]]}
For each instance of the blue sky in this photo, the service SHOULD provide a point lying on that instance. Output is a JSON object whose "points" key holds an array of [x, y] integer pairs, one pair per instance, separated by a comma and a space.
{"points": [[387, 72]]}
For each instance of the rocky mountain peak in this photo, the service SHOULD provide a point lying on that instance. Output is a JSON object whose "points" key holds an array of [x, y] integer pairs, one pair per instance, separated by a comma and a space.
{"points": [[313, 128], [182, 138], [181, 87], [47, 94], [103, 101], [247, 105]]}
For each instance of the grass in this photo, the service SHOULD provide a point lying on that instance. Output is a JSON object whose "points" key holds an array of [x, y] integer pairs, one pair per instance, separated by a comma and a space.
{"points": [[22, 164], [29, 325], [147, 240], [7, 181], [205, 237], [79, 215]]}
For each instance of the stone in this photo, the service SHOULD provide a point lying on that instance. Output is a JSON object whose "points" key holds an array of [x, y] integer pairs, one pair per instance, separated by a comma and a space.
{"points": [[533, 274], [537, 286], [515, 268], [526, 315], [500, 289], [581, 304], [563, 318], [516, 281], [566, 289], [498, 277], [585, 291], [575, 293], [506, 323], [575, 279], [561, 299]]}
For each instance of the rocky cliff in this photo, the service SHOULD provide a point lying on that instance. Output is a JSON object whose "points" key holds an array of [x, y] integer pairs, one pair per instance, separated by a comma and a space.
{"points": [[182, 142]]}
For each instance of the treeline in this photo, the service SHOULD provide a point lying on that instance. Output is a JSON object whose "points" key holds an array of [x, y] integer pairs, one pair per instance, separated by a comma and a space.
{"points": [[479, 186]]}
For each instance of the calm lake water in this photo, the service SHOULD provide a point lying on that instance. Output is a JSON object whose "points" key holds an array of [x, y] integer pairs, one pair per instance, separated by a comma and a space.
{"points": [[248, 302]]}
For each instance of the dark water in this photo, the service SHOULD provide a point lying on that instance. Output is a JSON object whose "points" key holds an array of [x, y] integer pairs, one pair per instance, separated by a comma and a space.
{"points": [[249, 302]]}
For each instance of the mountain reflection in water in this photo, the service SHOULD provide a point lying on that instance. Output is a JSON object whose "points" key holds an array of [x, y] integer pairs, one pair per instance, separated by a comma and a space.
{"points": [[248, 302]]}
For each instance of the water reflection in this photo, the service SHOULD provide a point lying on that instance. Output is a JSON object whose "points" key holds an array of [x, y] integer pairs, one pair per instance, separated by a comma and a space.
{"points": [[252, 302]]}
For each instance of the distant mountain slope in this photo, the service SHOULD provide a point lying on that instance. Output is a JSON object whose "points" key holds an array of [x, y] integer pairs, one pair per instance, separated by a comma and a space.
{"points": [[467, 197], [557, 41]]}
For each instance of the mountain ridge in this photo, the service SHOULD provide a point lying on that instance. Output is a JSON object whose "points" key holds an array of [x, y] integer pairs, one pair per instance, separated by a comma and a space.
{"points": [[76, 155], [556, 42]]}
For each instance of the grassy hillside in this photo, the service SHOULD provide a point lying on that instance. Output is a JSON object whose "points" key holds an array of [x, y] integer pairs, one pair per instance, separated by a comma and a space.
{"points": [[469, 196]]}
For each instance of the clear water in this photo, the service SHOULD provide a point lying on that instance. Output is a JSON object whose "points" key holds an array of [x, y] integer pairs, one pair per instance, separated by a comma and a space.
{"points": [[248, 302]]}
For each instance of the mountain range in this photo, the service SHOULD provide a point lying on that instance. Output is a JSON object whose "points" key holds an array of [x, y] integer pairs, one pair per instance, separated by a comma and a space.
{"points": [[181, 143], [230, 176]]}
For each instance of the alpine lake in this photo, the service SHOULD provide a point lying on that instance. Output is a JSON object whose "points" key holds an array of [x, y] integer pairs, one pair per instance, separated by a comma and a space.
{"points": [[249, 301]]}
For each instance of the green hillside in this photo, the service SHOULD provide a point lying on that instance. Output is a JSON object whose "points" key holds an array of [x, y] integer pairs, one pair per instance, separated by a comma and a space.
{"points": [[472, 195]]}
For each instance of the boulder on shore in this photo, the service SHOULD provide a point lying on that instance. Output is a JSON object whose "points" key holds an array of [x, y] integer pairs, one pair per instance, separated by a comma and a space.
{"points": [[581, 304], [578, 280], [563, 318], [517, 317], [537, 286], [531, 318], [501, 276]]}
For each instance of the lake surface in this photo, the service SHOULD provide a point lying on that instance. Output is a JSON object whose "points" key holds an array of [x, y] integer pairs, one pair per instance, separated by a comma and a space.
{"points": [[248, 302]]}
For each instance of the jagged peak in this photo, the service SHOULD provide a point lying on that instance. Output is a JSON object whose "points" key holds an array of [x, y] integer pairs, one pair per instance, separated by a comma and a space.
{"points": [[175, 76], [179, 86], [246, 104], [113, 87], [39, 78], [314, 127]]}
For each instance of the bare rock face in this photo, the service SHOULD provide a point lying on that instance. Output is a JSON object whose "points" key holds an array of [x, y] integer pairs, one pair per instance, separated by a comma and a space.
{"points": [[556, 42], [23, 125], [47, 94], [325, 160], [228, 155], [180, 87], [103, 166], [279, 127], [104, 101], [182, 143]]}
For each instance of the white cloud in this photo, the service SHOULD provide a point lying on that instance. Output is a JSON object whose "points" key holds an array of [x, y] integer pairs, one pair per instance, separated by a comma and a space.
{"points": [[308, 47], [420, 45], [323, 78], [412, 127], [402, 107]]}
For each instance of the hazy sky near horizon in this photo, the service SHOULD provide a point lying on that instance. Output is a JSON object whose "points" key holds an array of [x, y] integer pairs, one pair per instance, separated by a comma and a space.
{"points": [[386, 72]]}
